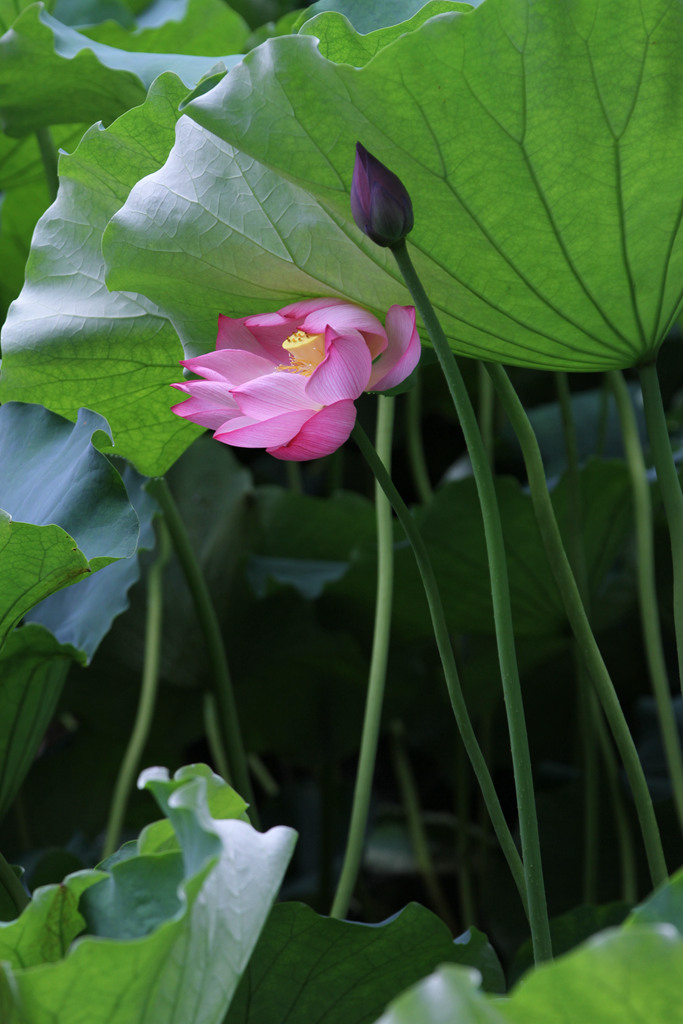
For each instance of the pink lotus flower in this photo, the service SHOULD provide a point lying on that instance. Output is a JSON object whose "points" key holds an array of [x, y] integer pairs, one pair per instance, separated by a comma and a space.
{"points": [[287, 381]]}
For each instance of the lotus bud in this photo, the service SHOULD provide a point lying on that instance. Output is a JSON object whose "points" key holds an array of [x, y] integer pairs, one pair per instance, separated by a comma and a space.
{"points": [[380, 203]]}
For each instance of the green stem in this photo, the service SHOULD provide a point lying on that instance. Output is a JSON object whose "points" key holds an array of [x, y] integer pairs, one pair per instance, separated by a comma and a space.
{"points": [[214, 738], [208, 621], [485, 410], [647, 589], [416, 454], [416, 829], [377, 674], [443, 642], [13, 887], [502, 613], [629, 876], [586, 698], [147, 699], [670, 489], [462, 818], [50, 160], [578, 620]]}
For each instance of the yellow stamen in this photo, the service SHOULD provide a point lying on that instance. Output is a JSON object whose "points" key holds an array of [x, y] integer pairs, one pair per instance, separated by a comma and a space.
{"points": [[306, 351]]}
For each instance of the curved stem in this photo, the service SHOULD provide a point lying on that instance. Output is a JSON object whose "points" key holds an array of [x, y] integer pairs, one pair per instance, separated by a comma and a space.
{"points": [[378, 671], [443, 642], [502, 613], [647, 590], [670, 488], [13, 887], [148, 692], [578, 620], [208, 621]]}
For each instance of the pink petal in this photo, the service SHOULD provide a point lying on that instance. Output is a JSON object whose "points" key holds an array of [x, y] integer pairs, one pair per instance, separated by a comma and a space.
{"points": [[233, 366], [321, 435], [403, 351], [300, 310], [277, 393], [237, 334], [344, 372], [243, 432], [343, 317], [209, 404]]}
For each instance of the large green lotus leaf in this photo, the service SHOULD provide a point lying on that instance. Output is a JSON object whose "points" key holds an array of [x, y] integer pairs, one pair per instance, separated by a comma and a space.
{"points": [[368, 18], [22, 179], [200, 27], [615, 977], [339, 42], [156, 953], [68, 342], [9, 10], [33, 666], [539, 142], [64, 511], [665, 904], [213, 232], [307, 967], [51, 74]]}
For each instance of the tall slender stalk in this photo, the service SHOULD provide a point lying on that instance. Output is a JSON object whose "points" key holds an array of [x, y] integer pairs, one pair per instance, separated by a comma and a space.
{"points": [[443, 642], [578, 620], [147, 699], [585, 697], [667, 477], [647, 590], [521, 758], [208, 621], [378, 670]]}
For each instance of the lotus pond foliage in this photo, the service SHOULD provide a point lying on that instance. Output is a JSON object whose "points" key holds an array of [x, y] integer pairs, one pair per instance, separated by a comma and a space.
{"points": [[371, 712]]}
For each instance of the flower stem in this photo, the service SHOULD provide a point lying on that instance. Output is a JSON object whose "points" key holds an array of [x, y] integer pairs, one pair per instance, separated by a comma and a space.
{"points": [[378, 670], [50, 160], [578, 620], [670, 488], [148, 692], [443, 642], [502, 613], [206, 614], [13, 887], [647, 590], [587, 705]]}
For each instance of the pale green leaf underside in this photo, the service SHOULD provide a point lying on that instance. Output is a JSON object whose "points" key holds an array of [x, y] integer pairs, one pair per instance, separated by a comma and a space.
{"points": [[540, 143], [186, 967], [69, 342]]}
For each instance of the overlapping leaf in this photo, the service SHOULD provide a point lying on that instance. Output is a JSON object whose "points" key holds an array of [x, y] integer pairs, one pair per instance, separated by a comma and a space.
{"points": [[66, 511], [547, 196], [146, 932], [68, 342], [33, 666], [51, 74], [307, 967]]}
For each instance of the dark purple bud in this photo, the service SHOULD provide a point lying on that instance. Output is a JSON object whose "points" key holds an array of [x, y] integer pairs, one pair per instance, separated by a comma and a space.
{"points": [[380, 204]]}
